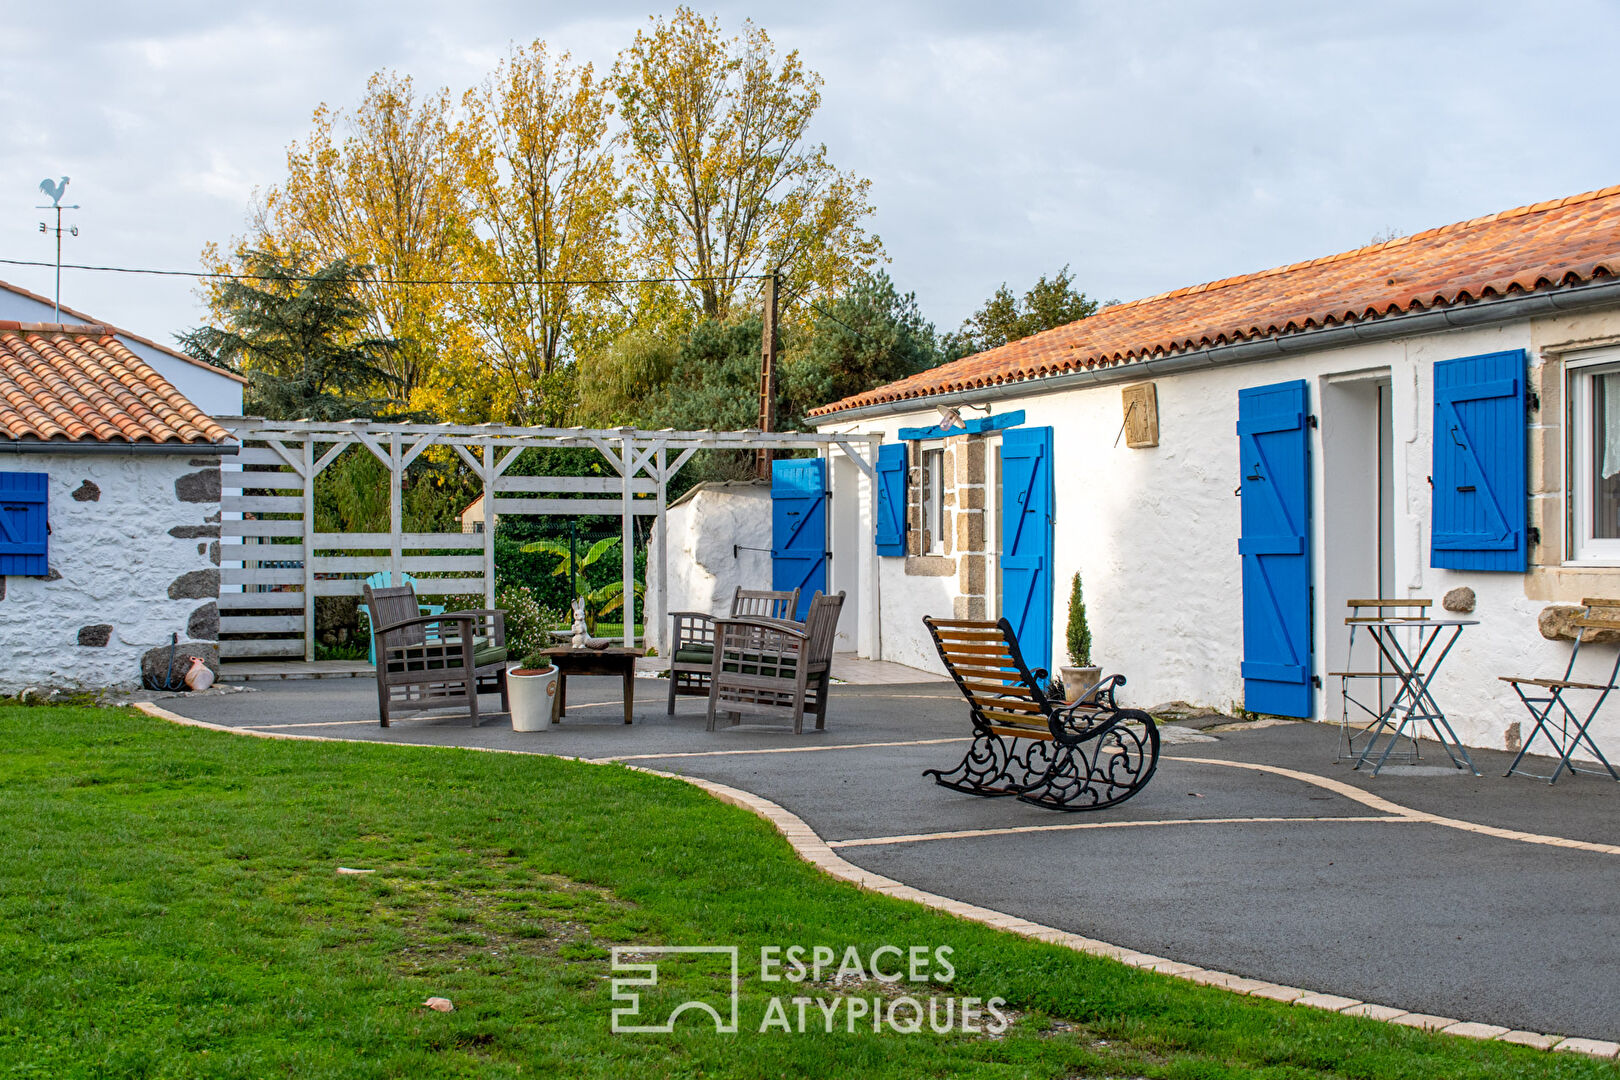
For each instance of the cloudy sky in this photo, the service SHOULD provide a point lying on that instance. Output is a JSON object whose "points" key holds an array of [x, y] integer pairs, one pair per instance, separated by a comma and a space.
{"points": [[1146, 145]]}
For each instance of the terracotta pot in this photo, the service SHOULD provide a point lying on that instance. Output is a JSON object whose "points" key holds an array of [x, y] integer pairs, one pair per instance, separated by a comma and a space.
{"points": [[532, 693]]}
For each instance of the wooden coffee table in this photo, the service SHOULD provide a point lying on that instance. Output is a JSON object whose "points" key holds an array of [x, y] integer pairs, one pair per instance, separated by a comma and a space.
{"points": [[612, 661]]}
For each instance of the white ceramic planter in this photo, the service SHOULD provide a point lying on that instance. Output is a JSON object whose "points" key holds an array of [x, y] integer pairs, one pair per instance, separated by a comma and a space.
{"points": [[532, 693], [1079, 681]]}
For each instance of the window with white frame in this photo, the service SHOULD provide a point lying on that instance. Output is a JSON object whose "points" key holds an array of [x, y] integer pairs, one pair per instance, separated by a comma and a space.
{"points": [[1594, 455], [933, 501]]}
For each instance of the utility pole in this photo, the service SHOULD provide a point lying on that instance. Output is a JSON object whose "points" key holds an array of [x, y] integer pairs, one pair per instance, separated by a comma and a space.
{"points": [[767, 378], [56, 190]]}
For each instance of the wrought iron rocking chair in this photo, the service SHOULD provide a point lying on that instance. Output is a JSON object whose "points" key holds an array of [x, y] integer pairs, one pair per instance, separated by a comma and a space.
{"points": [[1082, 756]]}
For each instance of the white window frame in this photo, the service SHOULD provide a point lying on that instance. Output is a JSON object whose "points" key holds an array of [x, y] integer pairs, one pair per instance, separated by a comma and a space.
{"points": [[1579, 368], [932, 501]]}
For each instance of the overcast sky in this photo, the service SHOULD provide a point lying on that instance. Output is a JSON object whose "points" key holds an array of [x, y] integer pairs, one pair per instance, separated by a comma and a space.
{"points": [[1146, 145]]}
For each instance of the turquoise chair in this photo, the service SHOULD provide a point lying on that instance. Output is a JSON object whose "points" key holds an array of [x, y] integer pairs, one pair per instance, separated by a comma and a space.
{"points": [[382, 579]]}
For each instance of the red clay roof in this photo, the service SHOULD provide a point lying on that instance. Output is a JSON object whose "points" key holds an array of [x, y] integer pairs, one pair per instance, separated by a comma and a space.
{"points": [[88, 321], [1561, 242], [81, 384]]}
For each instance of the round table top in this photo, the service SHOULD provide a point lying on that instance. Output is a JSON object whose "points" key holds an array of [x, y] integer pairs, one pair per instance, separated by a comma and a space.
{"points": [[1413, 622]]}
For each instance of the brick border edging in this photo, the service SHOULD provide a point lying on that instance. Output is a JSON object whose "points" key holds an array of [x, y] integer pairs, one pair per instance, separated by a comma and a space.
{"points": [[810, 847]]}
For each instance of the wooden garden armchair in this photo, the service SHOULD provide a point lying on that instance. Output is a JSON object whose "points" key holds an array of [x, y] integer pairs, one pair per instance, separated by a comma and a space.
{"points": [[431, 661], [691, 646], [774, 667]]}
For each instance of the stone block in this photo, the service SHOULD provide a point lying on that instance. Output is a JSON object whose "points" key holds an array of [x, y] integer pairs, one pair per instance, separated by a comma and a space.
{"points": [[970, 497], [194, 532], [1598, 1048], [87, 492], [971, 576], [1557, 623], [203, 624], [968, 607], [1547, 516], [970, 461], [95, 636], [930, 566], [195, 585], [1460, 600], [155, 662], [1546, 460], [970, 531], [1547, 381], [198, 487]]}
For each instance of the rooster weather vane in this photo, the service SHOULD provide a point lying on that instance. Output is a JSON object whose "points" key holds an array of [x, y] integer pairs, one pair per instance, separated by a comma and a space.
{"points": [[54, 190]]}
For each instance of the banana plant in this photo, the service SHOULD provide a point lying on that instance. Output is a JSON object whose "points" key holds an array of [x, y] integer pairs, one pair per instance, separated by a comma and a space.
{"points": [[566, 566]]}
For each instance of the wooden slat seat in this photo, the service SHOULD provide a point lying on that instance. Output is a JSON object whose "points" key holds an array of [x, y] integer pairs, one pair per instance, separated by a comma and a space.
{"points": [[1552, 683], [1080, 756]]}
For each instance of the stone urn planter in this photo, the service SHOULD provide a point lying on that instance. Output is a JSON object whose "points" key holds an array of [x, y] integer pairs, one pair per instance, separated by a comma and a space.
{"points": [[1078, 682], [532, 693]]}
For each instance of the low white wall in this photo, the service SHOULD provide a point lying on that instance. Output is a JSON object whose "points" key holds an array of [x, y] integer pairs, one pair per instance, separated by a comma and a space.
{"points": [[134, 557], [719, 539], [1153, 533]]}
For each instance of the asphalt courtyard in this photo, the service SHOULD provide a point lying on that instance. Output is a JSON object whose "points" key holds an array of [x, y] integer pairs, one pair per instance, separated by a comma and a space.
{"points": [[1483, 898]]}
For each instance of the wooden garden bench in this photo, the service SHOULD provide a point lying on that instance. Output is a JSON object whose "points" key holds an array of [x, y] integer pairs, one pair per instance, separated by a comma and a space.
{"points": [[1081, 756]]}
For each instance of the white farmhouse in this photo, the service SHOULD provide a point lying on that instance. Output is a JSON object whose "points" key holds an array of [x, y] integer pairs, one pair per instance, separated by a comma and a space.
{"points": [[109, 512], [1226, 466]]}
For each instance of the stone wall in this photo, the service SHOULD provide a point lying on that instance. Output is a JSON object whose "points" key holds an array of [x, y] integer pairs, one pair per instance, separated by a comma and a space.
{"points": [[134, 558], [719, 539]]}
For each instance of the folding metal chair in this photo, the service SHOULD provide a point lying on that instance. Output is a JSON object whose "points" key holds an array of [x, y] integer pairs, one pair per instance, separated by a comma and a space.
{"points": [[1567, 732], [1362, 612]]}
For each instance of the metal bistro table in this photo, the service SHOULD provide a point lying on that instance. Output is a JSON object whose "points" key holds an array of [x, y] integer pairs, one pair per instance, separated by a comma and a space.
{"points": [[1415, 668], [614, 661]]}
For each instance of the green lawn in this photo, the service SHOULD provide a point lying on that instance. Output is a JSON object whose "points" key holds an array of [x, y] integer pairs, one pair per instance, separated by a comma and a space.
{"points": [[169, 907]]}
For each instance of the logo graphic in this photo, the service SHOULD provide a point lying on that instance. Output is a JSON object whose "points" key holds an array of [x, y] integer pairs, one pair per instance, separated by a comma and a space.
{"points": [[646, 974]]}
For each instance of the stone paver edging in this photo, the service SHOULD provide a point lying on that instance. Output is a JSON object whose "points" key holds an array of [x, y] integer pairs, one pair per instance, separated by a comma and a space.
{"points": [[816, 851]]}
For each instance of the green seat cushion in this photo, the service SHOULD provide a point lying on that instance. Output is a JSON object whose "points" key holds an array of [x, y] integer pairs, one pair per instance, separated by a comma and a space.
{"points": [[784, 667], [488, 654], [695, 654]]}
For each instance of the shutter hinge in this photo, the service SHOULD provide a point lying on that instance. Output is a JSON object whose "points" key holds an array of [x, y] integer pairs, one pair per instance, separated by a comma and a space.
{"points": [[1316, 681], [1533, 399], [1535, 534], [1311, 420]]}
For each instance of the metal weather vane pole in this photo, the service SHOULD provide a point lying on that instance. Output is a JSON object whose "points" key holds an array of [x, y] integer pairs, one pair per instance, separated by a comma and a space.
{"points": [[55, 189]]}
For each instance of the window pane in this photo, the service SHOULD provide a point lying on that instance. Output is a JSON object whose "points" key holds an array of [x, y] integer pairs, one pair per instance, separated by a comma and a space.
{"points": [[1606, 456]]}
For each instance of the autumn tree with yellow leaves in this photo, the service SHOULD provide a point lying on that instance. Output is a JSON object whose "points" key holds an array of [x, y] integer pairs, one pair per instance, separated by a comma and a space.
{"points": [[506, 242], [725, 185], [542, 192]]}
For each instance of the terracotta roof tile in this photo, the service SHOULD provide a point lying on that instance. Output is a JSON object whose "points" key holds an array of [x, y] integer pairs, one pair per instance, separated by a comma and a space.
{"points": [[1548, 245], [81, 384]]}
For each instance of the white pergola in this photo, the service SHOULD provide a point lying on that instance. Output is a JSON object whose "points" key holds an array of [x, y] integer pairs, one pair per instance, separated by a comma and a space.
{"points": [[280, 566]]}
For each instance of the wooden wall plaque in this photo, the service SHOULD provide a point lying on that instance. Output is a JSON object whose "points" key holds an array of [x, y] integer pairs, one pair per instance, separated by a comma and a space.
{"points": [[1141, 404]]}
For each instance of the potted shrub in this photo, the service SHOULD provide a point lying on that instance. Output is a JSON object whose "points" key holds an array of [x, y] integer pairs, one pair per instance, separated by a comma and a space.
{"points": [[531, 690], [1080, 677]]}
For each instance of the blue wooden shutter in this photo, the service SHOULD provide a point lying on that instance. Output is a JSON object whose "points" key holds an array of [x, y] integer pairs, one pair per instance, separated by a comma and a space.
{"points": [[799, 528], [891, 508], [1480, 492], [1274, 451], [24, 542], [1027, 540]]}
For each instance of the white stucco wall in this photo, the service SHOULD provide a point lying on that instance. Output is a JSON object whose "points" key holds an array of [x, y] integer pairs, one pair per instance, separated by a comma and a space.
{"points": [[1154, 534], [136, 551], [704, 571]]}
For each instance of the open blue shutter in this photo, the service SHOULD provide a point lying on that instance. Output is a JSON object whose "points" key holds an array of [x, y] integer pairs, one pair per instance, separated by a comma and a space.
{"points": [[24, 542], [1480, 490], [1027, 540], [891, 508], [799, 528], [1274, 452]]}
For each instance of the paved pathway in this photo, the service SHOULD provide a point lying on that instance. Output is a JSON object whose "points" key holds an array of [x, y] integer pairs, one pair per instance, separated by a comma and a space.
{"points": [[1483, 898]]}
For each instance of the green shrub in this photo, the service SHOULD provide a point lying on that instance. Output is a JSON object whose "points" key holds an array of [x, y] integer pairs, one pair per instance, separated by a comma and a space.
{"points": [[529, 621], [1079, 633]]}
